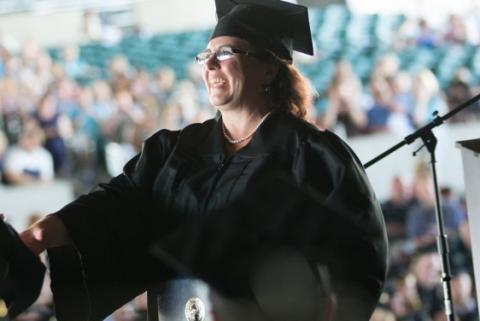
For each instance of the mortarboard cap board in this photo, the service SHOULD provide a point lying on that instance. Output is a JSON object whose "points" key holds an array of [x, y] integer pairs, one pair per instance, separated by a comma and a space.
{"points": [[278, 26], [21, 272]]}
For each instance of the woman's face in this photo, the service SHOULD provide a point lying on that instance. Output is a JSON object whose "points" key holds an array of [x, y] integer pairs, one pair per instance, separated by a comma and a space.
{"points": [[238, 81]]}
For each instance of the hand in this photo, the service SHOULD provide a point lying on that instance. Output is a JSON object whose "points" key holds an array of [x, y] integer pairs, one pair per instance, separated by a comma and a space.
{"points": [[33, 239], [46, 233]]}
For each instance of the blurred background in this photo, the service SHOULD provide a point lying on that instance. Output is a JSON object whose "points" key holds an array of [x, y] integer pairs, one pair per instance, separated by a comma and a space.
{"points": [[84, 82]]}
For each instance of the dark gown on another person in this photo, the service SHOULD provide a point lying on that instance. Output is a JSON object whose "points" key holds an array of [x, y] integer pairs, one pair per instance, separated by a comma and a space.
{"points": [[182, 207]]}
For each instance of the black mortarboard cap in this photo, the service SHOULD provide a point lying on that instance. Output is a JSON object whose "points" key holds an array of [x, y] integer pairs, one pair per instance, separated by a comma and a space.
{"points": [[272, 24], [21, 272]]}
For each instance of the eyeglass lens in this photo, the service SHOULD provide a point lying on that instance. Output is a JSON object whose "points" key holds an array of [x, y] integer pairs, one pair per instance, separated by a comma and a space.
{"points": [[221, 54]]}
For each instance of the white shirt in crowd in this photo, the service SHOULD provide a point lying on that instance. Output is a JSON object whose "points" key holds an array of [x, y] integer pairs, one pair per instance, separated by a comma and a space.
{"points": [[37, 162]]}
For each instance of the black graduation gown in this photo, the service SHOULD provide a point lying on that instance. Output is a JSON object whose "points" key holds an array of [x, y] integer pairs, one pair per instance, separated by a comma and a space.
{"points": [[182, 206], [21, 273]]}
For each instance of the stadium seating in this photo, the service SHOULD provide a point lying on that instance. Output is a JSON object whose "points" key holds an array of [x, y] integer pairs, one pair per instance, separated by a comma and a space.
{"points": [[337, 32]]}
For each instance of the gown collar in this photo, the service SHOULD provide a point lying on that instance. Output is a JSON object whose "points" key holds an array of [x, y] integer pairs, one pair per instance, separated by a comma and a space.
{"points": [[271, 133]]}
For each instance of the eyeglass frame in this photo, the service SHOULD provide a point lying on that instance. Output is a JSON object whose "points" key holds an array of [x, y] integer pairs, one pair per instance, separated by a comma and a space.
{"points": [[233, 51]]}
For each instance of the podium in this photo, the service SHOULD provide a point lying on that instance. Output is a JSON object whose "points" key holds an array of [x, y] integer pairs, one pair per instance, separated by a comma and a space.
{"points": [[471, 170]]}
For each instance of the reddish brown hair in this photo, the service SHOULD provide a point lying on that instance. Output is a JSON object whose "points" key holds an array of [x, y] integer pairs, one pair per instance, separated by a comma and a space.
{"points": [[290, 91]]}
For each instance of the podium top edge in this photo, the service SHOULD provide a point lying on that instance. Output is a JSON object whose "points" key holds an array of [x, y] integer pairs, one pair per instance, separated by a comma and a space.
{"points": [[471, 144]]}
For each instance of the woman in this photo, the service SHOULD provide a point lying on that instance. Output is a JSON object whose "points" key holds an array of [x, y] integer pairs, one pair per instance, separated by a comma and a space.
{"points": [[212, 199], [344, 108]]}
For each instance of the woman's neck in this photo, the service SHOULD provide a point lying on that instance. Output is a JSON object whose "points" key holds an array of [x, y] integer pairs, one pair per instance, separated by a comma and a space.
{"points": [[239, 126], [239, 123]]}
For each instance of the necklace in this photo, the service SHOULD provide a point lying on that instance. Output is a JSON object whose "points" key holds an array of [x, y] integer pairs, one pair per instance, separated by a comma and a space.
{"points": [[237, 141]]}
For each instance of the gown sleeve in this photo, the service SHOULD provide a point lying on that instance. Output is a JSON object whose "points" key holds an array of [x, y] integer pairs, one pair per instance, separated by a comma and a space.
{"points": [[355, 242], [105, 265]]}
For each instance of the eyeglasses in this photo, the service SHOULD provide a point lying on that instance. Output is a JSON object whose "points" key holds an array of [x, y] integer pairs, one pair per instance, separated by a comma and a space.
{"points": [[221, 54]]}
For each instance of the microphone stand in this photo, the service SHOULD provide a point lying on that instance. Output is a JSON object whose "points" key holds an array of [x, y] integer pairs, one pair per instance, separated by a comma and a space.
{"points": [[430, 142]]}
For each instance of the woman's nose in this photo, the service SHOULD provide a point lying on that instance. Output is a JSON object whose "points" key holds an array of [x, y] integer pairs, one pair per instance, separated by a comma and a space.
{"points": [[212, 62]]}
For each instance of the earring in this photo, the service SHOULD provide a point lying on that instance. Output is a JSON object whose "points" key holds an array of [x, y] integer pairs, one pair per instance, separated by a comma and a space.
{"points": [[266, 90]]}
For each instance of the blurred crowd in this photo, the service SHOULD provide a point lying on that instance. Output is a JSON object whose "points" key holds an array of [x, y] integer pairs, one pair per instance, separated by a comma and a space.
{"points": [[52, 126], [395, 101], [396, 96], [413, 290]]}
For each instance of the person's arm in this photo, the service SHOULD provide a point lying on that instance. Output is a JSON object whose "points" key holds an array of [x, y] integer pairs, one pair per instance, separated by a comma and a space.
{"points": [[329, 117], [356, 114], [97, 211], [46, 233], [18, 178]]}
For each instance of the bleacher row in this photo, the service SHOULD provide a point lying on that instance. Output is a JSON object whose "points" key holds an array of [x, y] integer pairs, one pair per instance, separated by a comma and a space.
{"points": [[338, 34]]}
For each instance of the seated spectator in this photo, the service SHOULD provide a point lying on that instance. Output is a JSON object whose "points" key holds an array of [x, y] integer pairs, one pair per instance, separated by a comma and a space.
{"points": [[74, 66], [120, 72], [404, 36], [395, 209], [463, 299], [401, 104], [344, 102], [459, 247], [86, 142], [85, 124], [185, 97], [456, 31], [426, 36], [30, 49], [127, 109], [171, 116], [387, 66], [66, 95], [426, 268], [43, 74], [458, 92], [140, 86], [9, 101], [405, 301], [27, 161], [163, 85], [417, 295], [427, 98], [102, 106], [421, 224], [379, 112], [391, 101], [55, 127]]}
